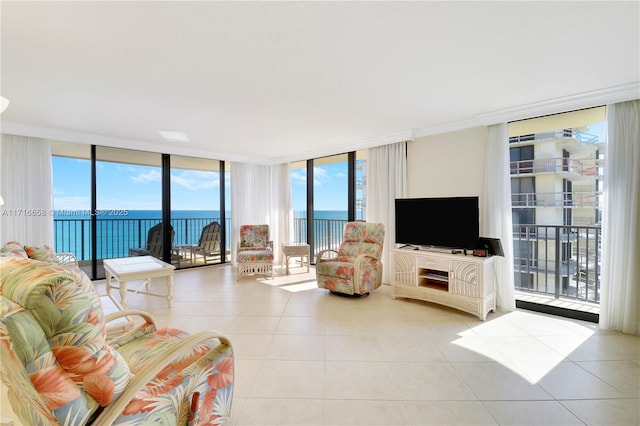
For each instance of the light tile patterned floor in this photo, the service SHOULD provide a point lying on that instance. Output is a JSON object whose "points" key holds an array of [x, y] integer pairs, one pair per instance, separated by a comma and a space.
{"points": [[306, 357]]}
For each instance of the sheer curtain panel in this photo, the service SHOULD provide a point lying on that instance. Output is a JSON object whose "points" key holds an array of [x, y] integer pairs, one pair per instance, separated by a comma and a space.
{"points": [[495, 215], [281, 215], [386, 181], [249, 199], [26, 188], [261, 194], [620, 292]]}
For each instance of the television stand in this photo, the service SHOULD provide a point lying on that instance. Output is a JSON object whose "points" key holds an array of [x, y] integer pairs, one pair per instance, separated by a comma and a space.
{"points": [[466, 283]]}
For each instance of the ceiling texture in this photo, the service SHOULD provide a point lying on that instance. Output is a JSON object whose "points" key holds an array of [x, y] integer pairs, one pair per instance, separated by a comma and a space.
{"points": [[274, 82]]}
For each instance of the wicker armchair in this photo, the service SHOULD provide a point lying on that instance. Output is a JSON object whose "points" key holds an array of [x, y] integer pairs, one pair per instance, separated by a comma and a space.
{"points": [[355, 268], [255, 251]]}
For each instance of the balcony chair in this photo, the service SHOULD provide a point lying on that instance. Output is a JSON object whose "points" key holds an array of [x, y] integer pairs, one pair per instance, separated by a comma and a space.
{"points": [[255, 251], [355, 268], [153, 246], [61, 368], [209, 243]]}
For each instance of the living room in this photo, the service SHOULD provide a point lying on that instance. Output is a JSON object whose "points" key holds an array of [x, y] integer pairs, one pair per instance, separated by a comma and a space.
{"points": [[281, 96]]}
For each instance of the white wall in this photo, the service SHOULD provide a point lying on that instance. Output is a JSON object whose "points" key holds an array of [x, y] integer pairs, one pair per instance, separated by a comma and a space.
{"points": [[447, 165]]}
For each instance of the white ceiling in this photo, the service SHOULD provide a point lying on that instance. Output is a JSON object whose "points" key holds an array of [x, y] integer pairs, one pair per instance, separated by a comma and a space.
{"points": [[272, 82]]}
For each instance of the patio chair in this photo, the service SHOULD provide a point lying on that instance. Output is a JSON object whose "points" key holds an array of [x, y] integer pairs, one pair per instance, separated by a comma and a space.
{"points": [[255, 251], [209, 243], [61, 368], [355, 269], [154, 245]]}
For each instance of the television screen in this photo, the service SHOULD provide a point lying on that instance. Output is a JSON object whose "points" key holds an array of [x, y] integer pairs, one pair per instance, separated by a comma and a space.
{"points": [[451, 222]]}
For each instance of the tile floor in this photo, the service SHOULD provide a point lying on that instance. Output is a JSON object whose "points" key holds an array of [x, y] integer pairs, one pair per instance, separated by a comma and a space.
{"points": [[306, 357]]}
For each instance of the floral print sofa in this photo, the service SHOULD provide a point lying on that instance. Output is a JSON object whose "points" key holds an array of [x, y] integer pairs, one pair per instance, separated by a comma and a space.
{"points": [[355, 269], [60, 369]]}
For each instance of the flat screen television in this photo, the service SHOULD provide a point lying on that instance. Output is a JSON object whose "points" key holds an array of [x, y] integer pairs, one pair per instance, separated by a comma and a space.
{"points": [[451, 222]]}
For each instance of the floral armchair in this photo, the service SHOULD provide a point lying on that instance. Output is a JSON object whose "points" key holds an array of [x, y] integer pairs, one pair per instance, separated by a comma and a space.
{"points": [[355, 269], [60, 368], [255, 251]]}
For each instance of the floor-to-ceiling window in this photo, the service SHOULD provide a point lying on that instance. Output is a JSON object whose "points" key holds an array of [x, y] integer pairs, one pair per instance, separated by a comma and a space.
{"points": [[330, 200], [226, 235], [196, 210], [298, 173], [361, 185], [556, 177], [71, 166], [129, 204], [326, 193]]}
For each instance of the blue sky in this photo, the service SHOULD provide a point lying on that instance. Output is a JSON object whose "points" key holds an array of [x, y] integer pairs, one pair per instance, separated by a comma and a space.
{"points": [[133, 187]]}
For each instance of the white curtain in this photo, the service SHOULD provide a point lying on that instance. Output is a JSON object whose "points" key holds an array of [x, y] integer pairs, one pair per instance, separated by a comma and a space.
{"points": [[495, 216], [281, 216], [386, 181], [620, 289], [26, 188], [261, 194]]}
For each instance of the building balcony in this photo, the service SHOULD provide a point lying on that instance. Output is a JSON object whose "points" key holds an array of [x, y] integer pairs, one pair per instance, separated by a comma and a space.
{"points": [[567, 167], [568, 200]]}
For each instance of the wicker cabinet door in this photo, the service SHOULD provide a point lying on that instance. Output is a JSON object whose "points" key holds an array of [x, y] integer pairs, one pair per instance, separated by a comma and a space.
{"points": [[463, 279], [404, 267]]}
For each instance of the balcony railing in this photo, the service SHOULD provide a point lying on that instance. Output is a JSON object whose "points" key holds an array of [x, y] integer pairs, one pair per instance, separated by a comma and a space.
{"points": [[116, 236], [568, 199], [563, 261], [587, 167], [576, 133]]}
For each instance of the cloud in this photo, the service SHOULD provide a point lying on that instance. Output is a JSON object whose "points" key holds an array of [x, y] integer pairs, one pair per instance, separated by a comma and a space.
{"points": [[299, 177], [150, 176], [320, 176], [194, 180]]}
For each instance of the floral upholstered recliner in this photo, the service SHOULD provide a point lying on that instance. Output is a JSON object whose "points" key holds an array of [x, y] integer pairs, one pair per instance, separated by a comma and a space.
{"points": [[60, 369], [255, 251], [355, 269]]}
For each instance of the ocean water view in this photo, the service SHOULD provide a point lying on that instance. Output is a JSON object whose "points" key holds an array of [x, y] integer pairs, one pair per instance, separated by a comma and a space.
{"points": [[119, 230]]}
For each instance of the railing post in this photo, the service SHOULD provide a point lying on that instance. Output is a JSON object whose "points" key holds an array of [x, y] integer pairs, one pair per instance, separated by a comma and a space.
{"points": [[557, 268], [82, 237]]}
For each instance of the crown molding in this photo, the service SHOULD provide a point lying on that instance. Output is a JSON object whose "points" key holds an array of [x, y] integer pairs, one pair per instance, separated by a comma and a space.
{"points": [[447, 128], [626, 92], [406, 135]]}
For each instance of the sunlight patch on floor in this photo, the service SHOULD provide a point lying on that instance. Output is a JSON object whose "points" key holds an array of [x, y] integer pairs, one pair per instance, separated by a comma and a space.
{"points": [[293, 283], [500, 339], [305, 286]]}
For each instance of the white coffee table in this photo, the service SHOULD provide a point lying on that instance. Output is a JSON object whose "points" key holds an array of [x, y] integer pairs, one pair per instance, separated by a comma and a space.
{"points": [[138, 268]]}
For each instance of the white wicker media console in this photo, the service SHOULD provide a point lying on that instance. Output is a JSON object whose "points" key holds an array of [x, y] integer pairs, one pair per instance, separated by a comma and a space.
{"points": [[462, 282]]}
